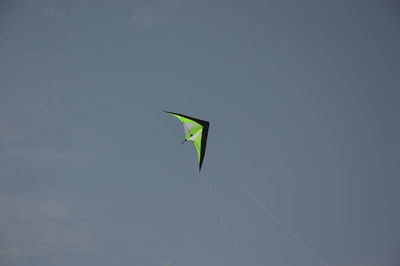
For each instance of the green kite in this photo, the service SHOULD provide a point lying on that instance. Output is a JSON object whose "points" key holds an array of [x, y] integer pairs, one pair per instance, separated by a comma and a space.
{"points": [[196, 130]]}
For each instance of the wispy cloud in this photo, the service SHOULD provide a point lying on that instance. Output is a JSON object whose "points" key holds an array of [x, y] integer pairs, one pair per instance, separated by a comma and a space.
{"points": [[42, 229], [153, 15]]}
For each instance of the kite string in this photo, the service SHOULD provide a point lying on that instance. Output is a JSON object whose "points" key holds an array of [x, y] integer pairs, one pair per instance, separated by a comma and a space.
{"points": [[267, 210], [221, 218]]}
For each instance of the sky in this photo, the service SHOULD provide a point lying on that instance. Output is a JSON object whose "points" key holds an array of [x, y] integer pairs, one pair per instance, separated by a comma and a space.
{"points": [[303, 103]]}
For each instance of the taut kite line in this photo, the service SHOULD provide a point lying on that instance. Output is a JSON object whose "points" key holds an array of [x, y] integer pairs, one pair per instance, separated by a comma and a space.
{"points": [[196, 130]]}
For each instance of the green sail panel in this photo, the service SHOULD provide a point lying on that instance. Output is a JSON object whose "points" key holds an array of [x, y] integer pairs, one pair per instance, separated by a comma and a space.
{"points": [[196, 130]]}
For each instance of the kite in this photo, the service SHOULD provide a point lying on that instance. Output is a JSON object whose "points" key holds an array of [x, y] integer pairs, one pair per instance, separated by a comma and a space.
{"points": [[196, 130]]}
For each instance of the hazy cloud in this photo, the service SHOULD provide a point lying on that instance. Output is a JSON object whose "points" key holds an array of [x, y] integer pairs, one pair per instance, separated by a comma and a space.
{"points": [[152, 15], [167, 263], [41, 229], [21, 117], [52, 155], [47, 12], [370, 261]]}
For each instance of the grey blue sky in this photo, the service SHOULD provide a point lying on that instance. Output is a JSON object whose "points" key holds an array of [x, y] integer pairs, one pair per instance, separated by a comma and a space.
{"points": [[303, 101]]}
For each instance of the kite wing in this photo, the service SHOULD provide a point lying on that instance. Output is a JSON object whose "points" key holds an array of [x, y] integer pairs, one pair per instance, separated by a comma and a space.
{"points": [[196, 130]]}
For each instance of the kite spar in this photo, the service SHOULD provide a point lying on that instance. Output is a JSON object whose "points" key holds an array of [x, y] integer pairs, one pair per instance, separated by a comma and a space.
{"points": [[196, 130]]}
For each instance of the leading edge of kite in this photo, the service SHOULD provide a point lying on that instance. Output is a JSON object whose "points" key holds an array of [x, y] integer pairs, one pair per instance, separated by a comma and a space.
{"points": [[196, 130]]}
